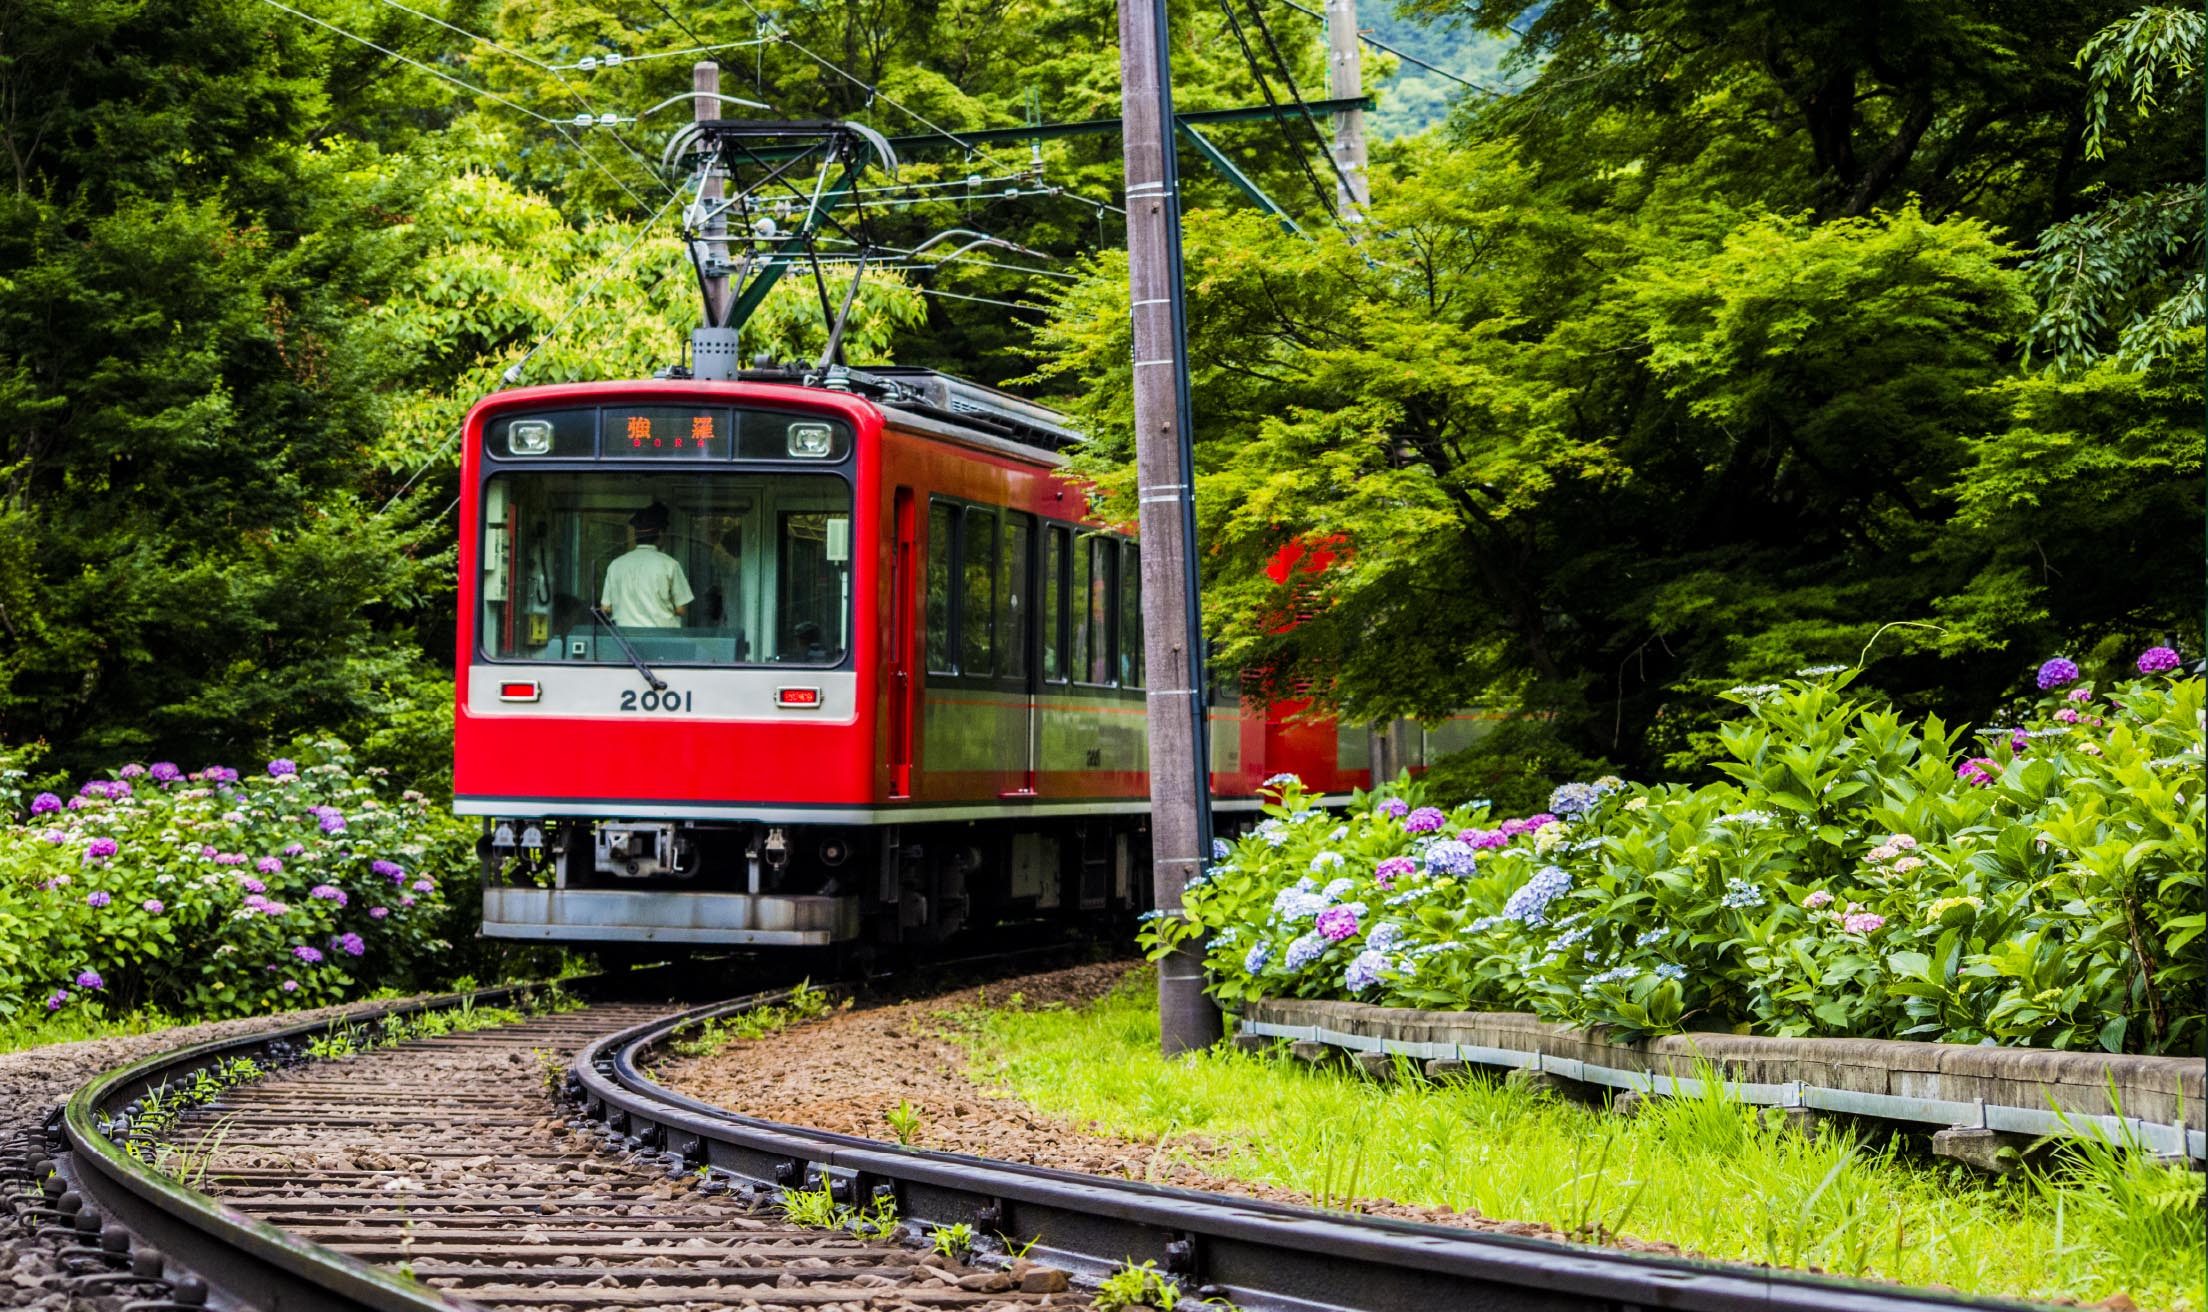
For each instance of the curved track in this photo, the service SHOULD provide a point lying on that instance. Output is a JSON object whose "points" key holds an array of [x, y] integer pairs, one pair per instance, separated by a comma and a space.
{"points": [[443, 1172]]}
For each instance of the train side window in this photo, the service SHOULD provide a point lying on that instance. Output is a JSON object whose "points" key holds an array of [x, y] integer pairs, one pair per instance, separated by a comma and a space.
{"points": [[1054, 604], [1100, 602], [1131, 672], [940, 519], [1077, 607], [1012, 602], [977, 610]]}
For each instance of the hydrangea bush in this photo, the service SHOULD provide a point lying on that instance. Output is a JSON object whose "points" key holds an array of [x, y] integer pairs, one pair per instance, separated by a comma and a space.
{"points": [[1856, 874], [212, 893]]}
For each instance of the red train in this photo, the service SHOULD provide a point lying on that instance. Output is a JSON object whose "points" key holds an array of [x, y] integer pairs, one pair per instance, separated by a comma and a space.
{"points": [[759, 662]]}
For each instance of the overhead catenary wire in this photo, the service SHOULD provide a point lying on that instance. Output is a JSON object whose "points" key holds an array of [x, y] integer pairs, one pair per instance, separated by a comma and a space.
{"points": [[1288, 75], [526, 58], [616, 59], [471, 89], [1377, 44], [1265, 88]]}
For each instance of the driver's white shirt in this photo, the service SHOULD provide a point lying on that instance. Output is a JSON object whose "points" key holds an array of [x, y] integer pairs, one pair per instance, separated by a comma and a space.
{"points": [[643, 588]]}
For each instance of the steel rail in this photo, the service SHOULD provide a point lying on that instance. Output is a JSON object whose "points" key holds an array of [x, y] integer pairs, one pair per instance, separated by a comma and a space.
{"points": [[249, 1261], [1260, 1255]]}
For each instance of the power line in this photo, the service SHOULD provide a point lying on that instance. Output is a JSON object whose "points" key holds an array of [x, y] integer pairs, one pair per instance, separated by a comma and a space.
{"points": [[615, 59], [1265, 88], [531, 59], [1288, 76], [1377, 44], [469, 87]]}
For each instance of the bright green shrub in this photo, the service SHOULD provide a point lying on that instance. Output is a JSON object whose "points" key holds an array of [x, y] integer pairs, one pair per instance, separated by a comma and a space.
{"points": [[1857, 874], [210, 895]]}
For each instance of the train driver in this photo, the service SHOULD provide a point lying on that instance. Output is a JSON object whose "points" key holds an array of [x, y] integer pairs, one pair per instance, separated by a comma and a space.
{"points": [[644, 588]]}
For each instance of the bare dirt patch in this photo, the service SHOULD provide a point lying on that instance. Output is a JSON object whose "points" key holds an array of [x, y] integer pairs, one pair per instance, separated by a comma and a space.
{"points": [[847, 1072]]}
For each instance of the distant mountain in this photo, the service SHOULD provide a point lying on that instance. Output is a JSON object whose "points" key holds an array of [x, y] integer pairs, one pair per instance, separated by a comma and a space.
{"points": [[1417, 98]]}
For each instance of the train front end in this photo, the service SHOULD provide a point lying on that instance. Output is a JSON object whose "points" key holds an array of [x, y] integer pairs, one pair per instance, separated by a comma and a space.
{"points": [[665, 661]]}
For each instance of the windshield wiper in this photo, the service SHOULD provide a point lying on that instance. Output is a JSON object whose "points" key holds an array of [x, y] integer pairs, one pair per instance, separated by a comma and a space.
{"points": [[599, 613]]}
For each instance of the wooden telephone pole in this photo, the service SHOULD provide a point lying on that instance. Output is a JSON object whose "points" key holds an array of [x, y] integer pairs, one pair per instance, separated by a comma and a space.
{"points": [[1345, 80], [1172, 629]]}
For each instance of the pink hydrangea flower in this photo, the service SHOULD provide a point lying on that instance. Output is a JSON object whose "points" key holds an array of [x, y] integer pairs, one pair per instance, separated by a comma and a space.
{"points": [[1337, 923], [1862, 922], [1820, 898]]}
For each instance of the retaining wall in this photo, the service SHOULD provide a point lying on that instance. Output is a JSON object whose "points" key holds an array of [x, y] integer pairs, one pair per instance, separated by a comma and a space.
{"points": [[2161, 1100]]}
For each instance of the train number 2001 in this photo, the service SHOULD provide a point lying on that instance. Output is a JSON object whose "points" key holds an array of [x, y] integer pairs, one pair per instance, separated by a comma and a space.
{"points": [[655, 700]]}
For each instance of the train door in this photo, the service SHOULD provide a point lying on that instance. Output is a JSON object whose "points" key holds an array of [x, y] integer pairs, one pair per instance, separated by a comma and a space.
{"points": [[904, 584], [1016, 642]]}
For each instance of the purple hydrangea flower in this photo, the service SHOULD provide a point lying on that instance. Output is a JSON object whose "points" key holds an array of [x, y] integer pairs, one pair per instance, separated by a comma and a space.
{"points": [[45, 802], [2080, 694], [2067, 715], [1394, 806], [219, 774], [312, 956], [98, 897], [390, 870], [289, 985], [349, 944], [251, 885], [269, 865], [2155, 660], [209, 850], [328, 893], [75, 804], [1337, 923], [280, 767], [90, 979], [1392, 869], [101, 848], [164, 772], [2057, 673], [1534, 822], [55, 836], [56, 998], [116, 789], [93, 788], [423, 886], [2020, 740], [152, 906], [230, 858], [1481, 838], [1978, 770], [332, 823], [1513, 827], [131, 771], [407, 900], [1424, 820], [378, 913], [294, 849]]}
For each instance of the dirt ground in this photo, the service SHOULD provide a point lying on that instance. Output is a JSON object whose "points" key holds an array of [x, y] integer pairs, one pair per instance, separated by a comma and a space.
{"points": [[845, 1072]]}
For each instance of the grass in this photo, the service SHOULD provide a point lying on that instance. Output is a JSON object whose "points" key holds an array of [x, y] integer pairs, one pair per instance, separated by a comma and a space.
{"points": [[84, 1021], [805, 1003], [1706, 1173]]}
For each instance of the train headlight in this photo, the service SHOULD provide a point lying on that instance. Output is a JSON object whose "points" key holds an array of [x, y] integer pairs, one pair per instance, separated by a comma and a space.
{"points": [[812, 441], [529, 437]]}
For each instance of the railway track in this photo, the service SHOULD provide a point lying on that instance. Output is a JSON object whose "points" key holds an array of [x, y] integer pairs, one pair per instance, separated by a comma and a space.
{"points": [[539, 1166]]}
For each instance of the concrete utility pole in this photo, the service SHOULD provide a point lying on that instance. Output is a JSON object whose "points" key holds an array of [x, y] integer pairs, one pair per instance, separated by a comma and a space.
{"points": [[1345, 80], [1172, 630], [705, 81]]}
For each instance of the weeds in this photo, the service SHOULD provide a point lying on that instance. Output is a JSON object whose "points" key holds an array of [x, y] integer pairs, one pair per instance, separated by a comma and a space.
{"points": [[817, 1209], [905, 1122], [1137, 1286], [711, 1037], [955, 1242]]}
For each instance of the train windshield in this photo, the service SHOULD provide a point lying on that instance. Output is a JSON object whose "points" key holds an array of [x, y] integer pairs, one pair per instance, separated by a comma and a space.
{"points": [[693, 569]]}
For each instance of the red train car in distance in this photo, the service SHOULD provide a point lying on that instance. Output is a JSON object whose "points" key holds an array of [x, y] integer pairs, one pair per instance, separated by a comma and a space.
{"points": [[759, 662]]}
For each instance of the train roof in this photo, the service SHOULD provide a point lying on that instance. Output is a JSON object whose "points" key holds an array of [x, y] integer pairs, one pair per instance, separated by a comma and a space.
{"points": [[940, 400]]}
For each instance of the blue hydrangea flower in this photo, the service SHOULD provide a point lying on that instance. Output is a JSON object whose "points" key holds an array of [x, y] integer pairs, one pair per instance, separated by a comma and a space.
{"points": [[1384, 936], [1741, 895], [1364, 970], [1671, 970], [1281, 780], [1450, 857], [1336, 888], [1255, 959], [1574, 799], [1293, 904], [1530, 904], [1220, 848], [1648, 937], [1326, 861], [1304, 951], [1615, 975]]}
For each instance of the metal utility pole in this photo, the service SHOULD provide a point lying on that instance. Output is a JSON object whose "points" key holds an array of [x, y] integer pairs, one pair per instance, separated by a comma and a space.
{"points": [[1172, 629], [1345, 79], [714, 349]]}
